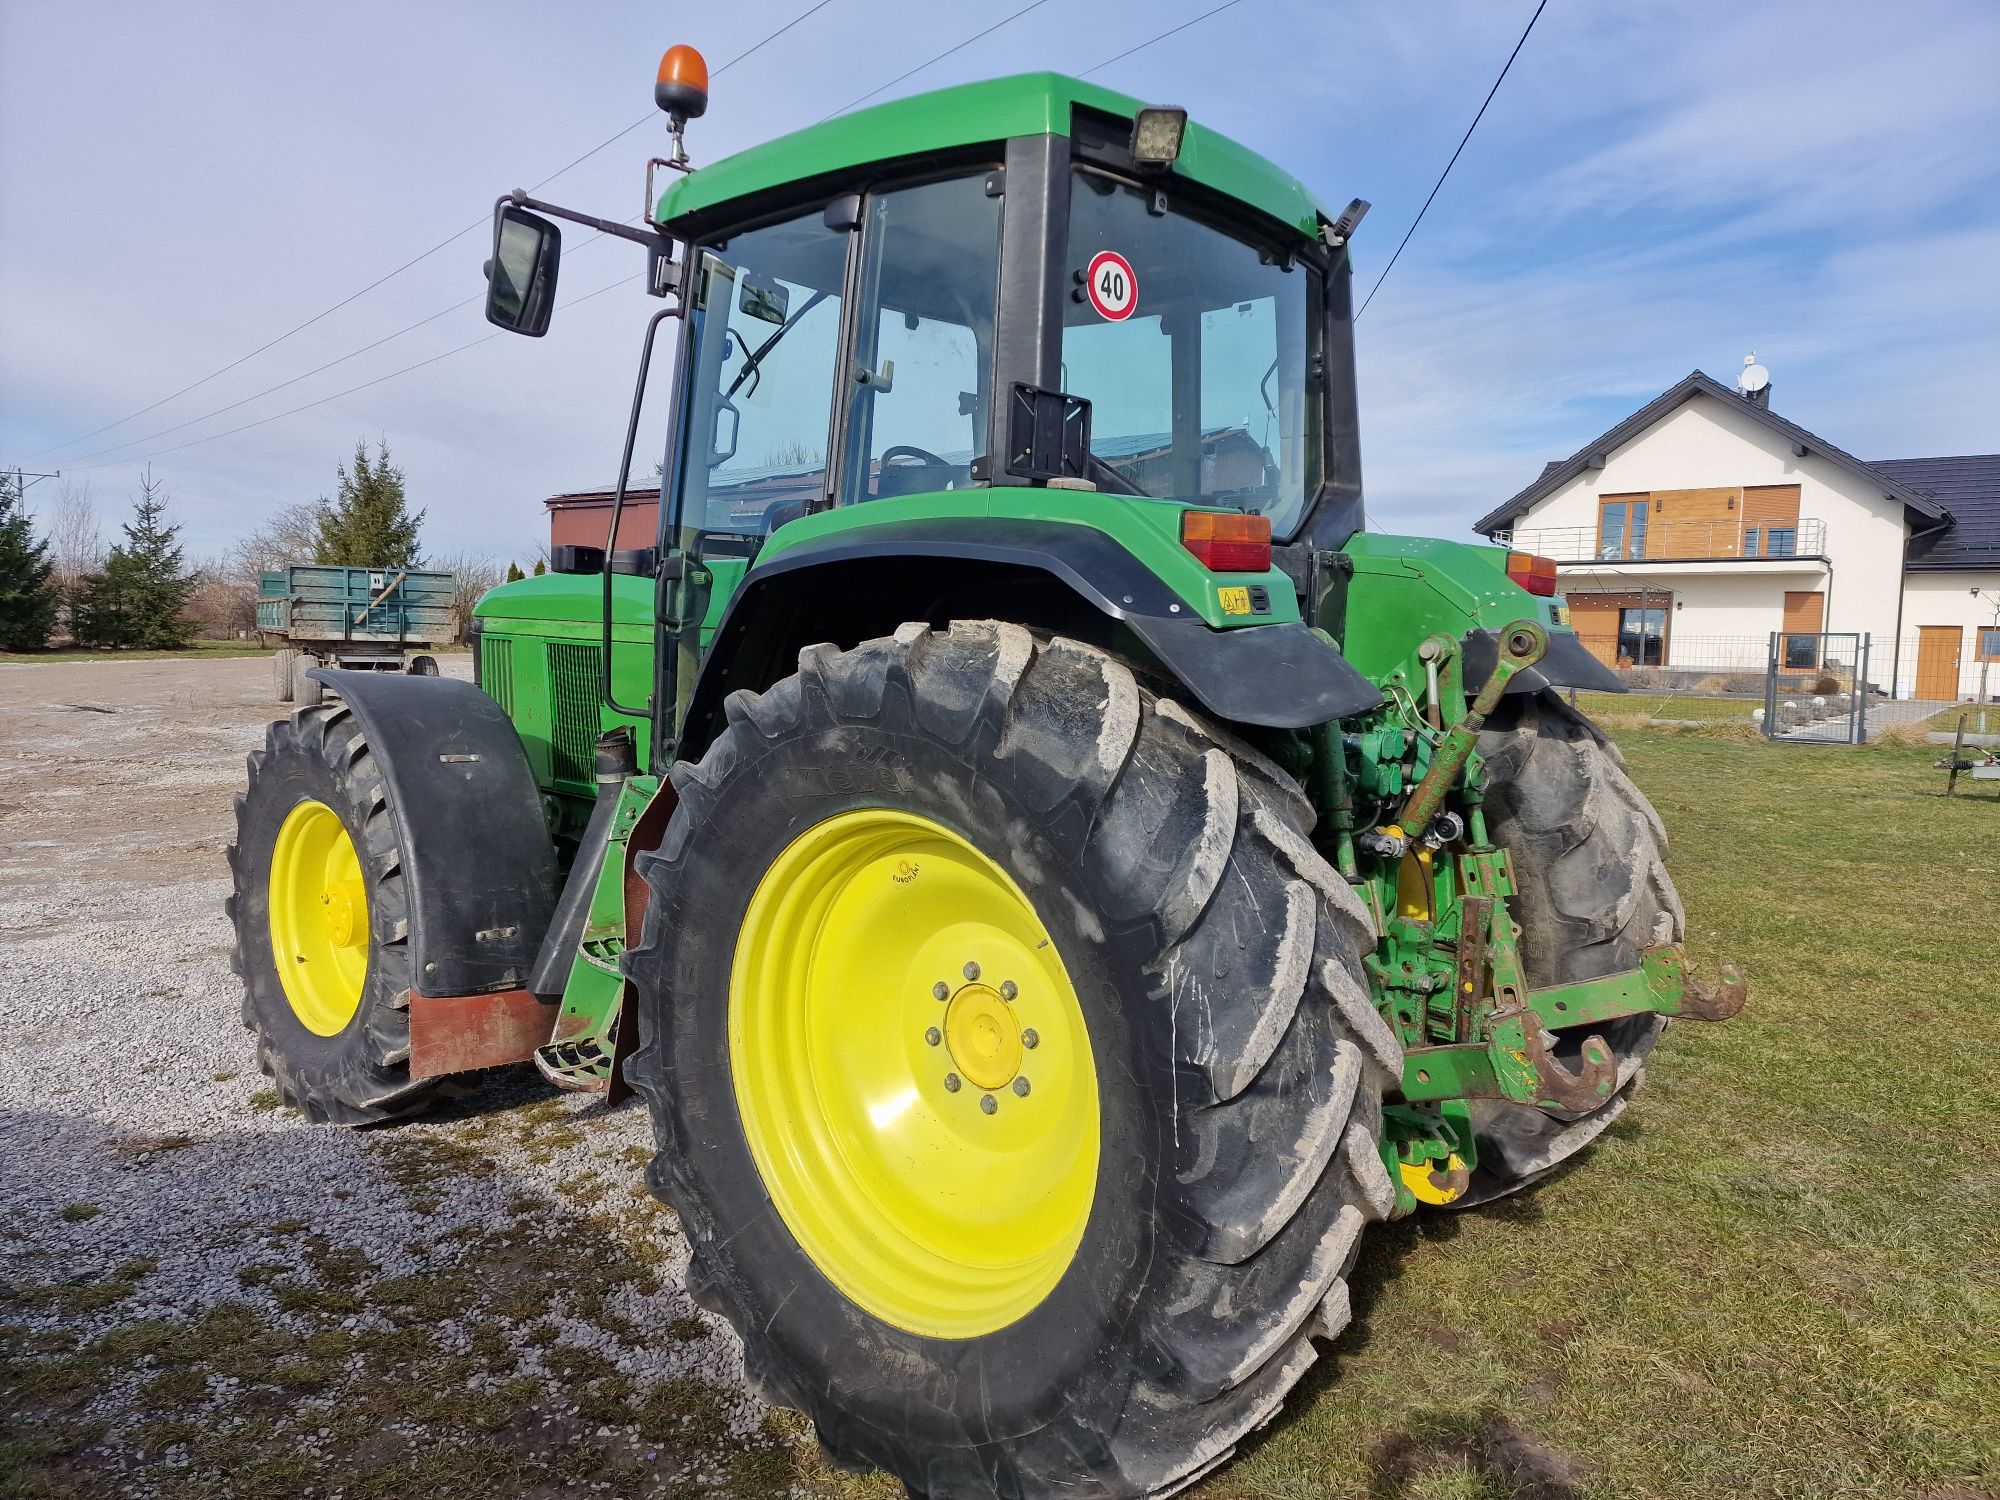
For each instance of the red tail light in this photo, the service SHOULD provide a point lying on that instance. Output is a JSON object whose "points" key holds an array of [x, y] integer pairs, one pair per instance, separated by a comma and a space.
{"points": [[1228, 541], [1535, 574]]}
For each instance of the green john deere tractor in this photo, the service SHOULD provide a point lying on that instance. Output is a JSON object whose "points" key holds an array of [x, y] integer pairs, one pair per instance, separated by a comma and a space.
{"points": [[1053, 875]]}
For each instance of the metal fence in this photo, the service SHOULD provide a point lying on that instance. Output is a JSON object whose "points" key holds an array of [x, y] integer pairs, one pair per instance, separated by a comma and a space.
{"points": [[1816, 688]]}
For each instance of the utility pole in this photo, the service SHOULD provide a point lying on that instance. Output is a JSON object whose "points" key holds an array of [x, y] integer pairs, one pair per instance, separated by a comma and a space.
{"points": [[22, 479], [1979, 644]]}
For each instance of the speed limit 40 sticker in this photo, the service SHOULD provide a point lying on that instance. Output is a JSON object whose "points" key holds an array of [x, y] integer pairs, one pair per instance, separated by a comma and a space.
{"points": [[1113, 285]]}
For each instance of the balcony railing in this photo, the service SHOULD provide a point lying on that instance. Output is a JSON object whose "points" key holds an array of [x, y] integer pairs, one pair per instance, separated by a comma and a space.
{"points": [[1674, 541]]}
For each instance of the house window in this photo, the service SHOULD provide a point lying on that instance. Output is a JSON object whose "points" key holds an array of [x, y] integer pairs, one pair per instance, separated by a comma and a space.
{"points": [[1642, 637], [1621, 527], [1989, 643]]}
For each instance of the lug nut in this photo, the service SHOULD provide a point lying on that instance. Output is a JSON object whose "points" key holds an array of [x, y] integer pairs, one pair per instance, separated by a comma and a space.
{"points": [[941, 991], [972, 971], [1030, 1039], [933, 1036], [988, 1104], [951, 1083], [1021, 1087], [1007, 990]]}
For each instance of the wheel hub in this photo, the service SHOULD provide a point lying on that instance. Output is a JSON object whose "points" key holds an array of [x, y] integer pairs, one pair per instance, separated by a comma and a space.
{"points": [[318, 901], [889, 985], [344, 900], [983, 1037]]}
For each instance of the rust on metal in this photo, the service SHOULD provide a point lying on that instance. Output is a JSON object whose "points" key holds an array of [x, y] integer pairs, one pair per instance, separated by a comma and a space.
{"points": [[1701, 1002], [463, 1033], [1589, 1086], [1474, 923]]}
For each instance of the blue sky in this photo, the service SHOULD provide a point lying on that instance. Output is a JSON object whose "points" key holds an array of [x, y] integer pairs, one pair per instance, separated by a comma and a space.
{"points": [[1657, 188]]}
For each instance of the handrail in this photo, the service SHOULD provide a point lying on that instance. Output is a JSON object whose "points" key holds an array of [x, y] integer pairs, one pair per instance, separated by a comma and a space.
{"points": [[1676, 541]]}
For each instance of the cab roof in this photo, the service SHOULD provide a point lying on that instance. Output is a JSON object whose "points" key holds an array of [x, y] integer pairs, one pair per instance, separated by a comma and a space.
{"points": [[973, 114]]}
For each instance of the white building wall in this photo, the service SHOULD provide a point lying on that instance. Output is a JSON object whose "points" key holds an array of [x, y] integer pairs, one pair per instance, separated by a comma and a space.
{"points": [[1710, 443], [1948, 599]]}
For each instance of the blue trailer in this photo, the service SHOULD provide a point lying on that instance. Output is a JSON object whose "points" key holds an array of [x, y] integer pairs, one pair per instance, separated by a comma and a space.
{"points": [[367, 619]]}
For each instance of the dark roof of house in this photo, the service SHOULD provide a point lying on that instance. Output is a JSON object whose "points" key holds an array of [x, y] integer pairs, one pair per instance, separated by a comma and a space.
{"points": [[1591, 454], [1969, 487]]}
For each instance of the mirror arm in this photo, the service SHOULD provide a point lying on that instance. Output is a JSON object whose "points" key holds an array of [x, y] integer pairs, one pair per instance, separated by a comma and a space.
{"points": [[650, 238]]}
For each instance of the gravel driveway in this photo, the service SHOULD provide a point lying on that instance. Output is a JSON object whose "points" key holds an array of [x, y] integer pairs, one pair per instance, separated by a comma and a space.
{"points": [[200, 1294]]}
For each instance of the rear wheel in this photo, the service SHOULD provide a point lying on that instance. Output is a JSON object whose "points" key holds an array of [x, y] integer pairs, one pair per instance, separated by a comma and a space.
{"points": [[422, 666], [322, 923], [1010, 1062], [306, 691], [1588, 854], [281, 673]]}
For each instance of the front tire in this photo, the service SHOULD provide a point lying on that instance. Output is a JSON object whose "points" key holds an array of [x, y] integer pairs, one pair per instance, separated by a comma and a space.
{"points": [[1223, 1081], [322, 923], [1588, 855]]}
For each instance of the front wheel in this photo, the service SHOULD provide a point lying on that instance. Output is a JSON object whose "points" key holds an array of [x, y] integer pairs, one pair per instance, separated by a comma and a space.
{"points": [[1011, 1065]]}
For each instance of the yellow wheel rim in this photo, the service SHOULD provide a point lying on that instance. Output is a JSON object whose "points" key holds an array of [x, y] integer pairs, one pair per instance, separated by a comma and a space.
{"points": [[913, 1073], [1435, 1185], [319, 918]]}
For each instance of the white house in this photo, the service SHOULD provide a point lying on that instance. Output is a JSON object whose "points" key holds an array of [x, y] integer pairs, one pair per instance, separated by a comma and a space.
{"points": [[1704, 524]]}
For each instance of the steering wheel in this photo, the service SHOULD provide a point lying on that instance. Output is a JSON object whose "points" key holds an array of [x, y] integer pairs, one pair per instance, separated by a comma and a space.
{"points": [[910, 450]]}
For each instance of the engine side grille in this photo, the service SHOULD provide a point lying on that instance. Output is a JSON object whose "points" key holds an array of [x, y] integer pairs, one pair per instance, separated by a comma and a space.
{"points": [[575, 688], [496, 671]]}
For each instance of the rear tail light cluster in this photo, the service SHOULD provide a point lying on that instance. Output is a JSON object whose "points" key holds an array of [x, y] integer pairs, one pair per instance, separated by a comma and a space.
{"points": [[1535, 574], [1227, 541]]}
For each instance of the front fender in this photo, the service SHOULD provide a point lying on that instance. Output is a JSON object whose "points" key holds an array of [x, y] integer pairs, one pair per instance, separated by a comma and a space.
{"points": [[477, 856]]}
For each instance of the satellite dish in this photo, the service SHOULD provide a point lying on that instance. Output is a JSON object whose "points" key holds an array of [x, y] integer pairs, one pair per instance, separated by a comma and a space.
{"points": [[1754, 377]]}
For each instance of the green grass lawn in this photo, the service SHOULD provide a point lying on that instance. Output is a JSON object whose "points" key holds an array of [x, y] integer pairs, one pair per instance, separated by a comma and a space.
{"points": [[1689, 707], [1776, 1275]]}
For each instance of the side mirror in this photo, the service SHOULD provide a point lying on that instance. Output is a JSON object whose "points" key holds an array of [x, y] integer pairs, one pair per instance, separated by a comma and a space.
{"points": [[521, 277]]}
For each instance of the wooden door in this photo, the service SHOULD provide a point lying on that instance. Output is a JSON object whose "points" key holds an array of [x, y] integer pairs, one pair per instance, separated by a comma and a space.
{"points": [[1594, 618], [1695, 523], [1937, 661], [1805, 618]]}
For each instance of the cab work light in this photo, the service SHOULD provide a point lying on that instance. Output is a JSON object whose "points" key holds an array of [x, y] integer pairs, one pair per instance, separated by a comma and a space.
{"points": [[1535, 574], [1228, 541], [1156, 135]]}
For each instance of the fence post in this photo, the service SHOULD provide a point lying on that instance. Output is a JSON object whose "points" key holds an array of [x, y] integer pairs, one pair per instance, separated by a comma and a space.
{"points": [[1771, 688], [1861, 695]]}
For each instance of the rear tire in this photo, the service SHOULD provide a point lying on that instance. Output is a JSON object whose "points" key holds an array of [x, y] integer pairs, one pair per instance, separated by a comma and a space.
{"points": [[1238, 1061], [422, 666], [281, 673], [359, 1073], [1588, 855]]}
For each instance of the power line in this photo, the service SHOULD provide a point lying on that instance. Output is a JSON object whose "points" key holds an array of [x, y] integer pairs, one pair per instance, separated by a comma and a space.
{"points": [[337, 395], [415, 259], [960, 47], [803, 15], [1454, 157], [1176, 31]]}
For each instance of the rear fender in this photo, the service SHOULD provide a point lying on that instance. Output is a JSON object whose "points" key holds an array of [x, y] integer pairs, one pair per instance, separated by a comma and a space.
{"points": [[1407, 588], [1068, 578]]}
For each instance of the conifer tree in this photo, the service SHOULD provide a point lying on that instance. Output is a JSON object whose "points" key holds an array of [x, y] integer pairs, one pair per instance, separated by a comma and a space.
{"points": [[27, 602], [140, 597], [514, 573], [368, 523]]}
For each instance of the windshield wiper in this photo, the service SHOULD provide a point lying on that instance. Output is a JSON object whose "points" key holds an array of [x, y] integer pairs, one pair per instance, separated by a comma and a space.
{"points": [[750, 364]]}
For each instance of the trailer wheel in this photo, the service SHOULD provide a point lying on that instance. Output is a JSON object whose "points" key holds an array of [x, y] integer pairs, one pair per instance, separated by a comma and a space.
{"points": [[1588, 854], [307, 692], [422, 666], [1011, 1065], [322, 923], [281, 673]]}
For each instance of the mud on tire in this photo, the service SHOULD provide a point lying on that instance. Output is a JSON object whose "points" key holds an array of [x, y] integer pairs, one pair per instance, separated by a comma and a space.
{"points": [[1240, 1063], [361, 1074], [1589, 861]]}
